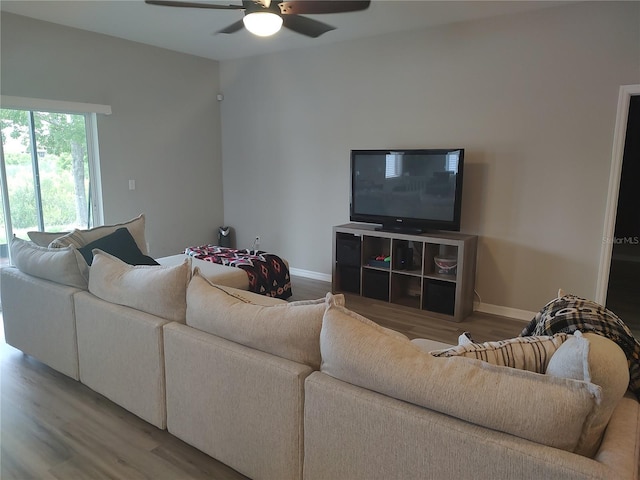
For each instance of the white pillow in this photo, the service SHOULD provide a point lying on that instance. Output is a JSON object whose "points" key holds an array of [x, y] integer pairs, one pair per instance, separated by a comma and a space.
{"points": [[60, 265], [80, 238], [290, 331], [153, 289]]}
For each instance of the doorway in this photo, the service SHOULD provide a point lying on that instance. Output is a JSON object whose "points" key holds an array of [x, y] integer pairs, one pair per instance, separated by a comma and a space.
{"points": [[624, 270]]}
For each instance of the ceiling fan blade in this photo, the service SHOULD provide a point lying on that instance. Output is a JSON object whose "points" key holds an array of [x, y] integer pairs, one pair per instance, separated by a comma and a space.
{"points": [[234, 27], [301, 7], [306, 26], [170, 3]]}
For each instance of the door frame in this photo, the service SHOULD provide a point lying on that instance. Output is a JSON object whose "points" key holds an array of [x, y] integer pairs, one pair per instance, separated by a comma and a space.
{"points": [[615, 175]]}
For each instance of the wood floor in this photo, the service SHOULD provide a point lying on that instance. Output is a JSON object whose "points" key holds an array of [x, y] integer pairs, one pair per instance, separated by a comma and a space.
{"points": [[52, 427], [415, 323]]}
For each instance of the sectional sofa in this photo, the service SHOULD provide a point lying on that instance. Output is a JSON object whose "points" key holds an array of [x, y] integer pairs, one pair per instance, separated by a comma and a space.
{"points": [[290, 390]]}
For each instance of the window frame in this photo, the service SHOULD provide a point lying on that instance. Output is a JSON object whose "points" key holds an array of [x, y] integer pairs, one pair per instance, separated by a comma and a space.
{"points": [[90, 112]]}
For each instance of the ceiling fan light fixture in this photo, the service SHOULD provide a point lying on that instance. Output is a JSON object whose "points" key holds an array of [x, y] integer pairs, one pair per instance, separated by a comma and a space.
{"points": [[262, 24]]}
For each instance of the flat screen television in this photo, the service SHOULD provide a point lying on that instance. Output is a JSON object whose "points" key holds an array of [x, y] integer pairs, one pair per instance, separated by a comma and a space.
{"points": [[407, 190]]}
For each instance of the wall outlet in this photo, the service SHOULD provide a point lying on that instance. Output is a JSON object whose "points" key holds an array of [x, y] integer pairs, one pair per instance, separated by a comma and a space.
{"points": [[256, 243]]}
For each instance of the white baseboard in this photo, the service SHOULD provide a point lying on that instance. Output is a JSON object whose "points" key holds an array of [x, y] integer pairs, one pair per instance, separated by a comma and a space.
{"points": [[516, 313], [325, 277]]}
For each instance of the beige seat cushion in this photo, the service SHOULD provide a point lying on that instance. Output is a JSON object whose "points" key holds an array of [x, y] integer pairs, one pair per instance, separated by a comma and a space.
{"points": [[214, 272], [290, 331], [157, 290], [428, 345], [552, 411]]}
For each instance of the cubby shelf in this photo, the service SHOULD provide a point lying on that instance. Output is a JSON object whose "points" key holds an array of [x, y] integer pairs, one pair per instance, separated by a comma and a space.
{"points": [[399, 268]]}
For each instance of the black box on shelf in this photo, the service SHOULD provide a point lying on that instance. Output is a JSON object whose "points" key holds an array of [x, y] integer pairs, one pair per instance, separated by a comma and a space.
{"points": [[440, 297], [375, 284], [348, 279], [348, 250], [404, 258]]}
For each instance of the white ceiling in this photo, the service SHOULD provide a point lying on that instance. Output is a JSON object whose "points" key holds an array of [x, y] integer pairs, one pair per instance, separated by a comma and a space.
{"points": [[191, 30]]}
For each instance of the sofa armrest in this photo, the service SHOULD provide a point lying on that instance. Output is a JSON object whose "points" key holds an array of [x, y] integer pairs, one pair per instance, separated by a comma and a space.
{"points": [[620, 448], [39, 319]]}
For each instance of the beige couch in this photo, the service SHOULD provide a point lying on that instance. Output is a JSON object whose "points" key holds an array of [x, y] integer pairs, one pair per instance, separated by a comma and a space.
{"points": [[378, 409], [294, 390]]}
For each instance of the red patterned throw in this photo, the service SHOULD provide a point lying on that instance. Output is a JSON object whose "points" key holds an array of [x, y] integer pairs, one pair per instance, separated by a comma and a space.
{"points": [[268, 274]]}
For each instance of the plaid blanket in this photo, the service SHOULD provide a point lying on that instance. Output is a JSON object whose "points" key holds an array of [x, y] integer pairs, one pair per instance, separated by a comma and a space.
{"points": [[268, 274], [569, 313]]}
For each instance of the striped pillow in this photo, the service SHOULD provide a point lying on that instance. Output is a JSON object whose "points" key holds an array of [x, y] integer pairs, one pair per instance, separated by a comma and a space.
{"points": [[72, 238], [524, 353]]}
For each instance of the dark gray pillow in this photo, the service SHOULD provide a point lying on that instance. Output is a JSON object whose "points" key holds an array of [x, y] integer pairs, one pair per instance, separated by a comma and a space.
{"points": [[120, 244]]}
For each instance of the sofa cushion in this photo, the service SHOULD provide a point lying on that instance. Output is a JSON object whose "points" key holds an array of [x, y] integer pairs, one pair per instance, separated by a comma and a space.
{"points": [[157, 290], [60, 265], [525, 353], [371, 323], [120, 244], [286, 330], [569, 313], [242, 295], [596, 359], [43, 239], [80, 238], [553, 411]]}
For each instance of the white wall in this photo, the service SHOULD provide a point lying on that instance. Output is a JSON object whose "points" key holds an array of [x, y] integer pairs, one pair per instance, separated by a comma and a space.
{"points": [[164, 131], [532, 98]]}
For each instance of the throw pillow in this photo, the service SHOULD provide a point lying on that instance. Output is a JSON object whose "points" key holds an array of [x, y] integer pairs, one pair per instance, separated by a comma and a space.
{"points": [[120, 244], [569, 313], [43, 239], [541, 408], [596, 359], [524, 353], [285, 330], [74, 237], [80, 238], [155, 289], [60, 265]]}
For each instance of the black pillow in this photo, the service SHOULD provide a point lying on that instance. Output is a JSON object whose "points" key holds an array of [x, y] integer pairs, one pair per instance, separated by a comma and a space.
{"points": [[119, 244]]}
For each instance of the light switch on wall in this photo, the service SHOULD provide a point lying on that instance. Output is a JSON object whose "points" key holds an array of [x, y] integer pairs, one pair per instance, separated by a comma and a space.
{"points": [[132, 184]]}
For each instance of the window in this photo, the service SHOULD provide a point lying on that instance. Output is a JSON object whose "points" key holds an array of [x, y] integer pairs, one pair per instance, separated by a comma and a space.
{"points": [[49, 170], [453, 158], [393, 167]]}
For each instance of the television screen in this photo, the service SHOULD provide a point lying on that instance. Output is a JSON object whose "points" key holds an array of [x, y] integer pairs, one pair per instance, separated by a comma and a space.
{"points": [[407, 189]]}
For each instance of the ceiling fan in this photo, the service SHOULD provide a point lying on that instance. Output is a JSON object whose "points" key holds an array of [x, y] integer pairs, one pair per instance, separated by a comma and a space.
{"points": [[266, 17]]}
